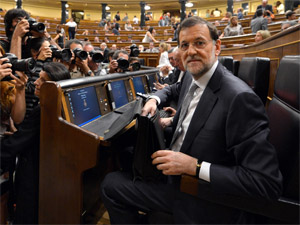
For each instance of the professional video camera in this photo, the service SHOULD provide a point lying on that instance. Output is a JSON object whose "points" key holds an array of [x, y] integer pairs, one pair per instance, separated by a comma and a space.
{"points": [[80, 53], [35, 26], [123, 64], [64, 54], [134, 51], [97, 57], [29, 66]]}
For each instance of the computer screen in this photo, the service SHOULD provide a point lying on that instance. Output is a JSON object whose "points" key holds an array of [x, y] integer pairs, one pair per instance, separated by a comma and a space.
{"points": [[119, 93], [138, 85], [84, 105]]}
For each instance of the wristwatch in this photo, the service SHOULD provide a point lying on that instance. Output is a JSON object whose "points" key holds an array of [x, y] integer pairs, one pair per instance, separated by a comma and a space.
{"points": [[198, 167], [89, 73]]}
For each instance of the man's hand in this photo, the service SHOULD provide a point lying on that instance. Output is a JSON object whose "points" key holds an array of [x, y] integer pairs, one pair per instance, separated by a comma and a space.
{"points": [[164, 70], [170, 110], [174, 163], [21, 29], [166, 122], [159, 86], [5, 69], [113, 65], [20, 82], [45, 52], [149, 107], [83, 65]]}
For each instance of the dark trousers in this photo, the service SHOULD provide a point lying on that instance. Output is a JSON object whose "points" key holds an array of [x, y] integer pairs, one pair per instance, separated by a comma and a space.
{"points": [[71, 31], [123, 197]]}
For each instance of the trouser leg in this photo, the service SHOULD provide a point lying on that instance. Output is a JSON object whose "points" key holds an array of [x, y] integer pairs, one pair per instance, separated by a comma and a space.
{"points": [[123, 198]]}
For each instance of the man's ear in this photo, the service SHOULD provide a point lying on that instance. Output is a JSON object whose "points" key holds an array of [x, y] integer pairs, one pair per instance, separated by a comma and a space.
{"points": [[218, 47]]}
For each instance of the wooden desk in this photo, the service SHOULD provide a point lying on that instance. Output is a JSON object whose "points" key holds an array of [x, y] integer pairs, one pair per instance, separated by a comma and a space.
{"points": [[67, 151]]}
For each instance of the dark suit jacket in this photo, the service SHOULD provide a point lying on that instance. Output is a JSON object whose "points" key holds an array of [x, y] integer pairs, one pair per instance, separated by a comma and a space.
{"points": [[268, 7], [229, 129]]}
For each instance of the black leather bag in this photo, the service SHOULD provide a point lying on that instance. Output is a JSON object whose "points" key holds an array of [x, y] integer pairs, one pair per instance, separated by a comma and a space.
{"points": [[150, 138]]}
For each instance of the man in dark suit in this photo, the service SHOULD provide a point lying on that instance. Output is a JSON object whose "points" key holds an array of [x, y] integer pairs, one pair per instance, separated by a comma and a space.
{"points": [[264, 6], [220, 137]]}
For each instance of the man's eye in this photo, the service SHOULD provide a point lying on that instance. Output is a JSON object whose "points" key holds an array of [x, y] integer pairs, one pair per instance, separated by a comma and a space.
{"points": [[184, 46], [199, 43]]}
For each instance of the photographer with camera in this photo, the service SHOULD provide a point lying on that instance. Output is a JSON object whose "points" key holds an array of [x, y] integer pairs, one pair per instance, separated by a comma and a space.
{"points": [[19, 27], [78, 65], [94, 58], [119, 62]]}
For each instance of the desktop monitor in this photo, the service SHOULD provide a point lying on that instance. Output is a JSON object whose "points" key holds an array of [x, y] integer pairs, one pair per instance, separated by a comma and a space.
{"points": [[138, 85], [119, 93], [84, 105]]}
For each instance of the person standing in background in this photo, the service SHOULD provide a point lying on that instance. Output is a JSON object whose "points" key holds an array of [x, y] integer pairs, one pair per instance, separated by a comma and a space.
{"points": [[72, 28]]}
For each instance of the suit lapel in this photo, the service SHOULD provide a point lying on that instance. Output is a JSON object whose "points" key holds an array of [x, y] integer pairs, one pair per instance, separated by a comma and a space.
{"points": [[203, 109]]}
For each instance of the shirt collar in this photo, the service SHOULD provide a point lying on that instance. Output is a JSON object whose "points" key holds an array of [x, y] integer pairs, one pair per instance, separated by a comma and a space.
{"points": [[203, 80]]}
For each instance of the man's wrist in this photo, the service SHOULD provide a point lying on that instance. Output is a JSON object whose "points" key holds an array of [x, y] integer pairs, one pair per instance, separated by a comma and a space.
{"points": [[198, 167]]}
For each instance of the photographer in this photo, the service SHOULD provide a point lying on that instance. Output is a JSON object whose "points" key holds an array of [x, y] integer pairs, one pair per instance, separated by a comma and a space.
{"points": [[19, 26], [94, 59], [119, 57], [78, 66], [16, 106], [134, 64]]}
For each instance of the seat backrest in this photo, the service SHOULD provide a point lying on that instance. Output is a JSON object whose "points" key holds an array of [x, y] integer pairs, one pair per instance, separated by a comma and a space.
{"points": [[255, 71], [236, 65], [284, 117], [226, 61]]}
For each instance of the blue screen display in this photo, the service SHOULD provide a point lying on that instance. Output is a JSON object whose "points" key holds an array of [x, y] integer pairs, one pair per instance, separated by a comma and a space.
{"points": [[119, 93], [84, 105], [138, 85]]}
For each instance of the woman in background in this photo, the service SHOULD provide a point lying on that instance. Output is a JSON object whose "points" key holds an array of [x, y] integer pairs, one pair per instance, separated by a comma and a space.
{"points": [[233, 29], [149, 36], [72, 28], [261, 35]]}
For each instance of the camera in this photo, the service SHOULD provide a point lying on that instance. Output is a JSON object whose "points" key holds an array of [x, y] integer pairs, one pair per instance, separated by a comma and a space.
{"points": [[80, 53], [24, 65], [35, 26], [135, 66], [134, 51], [123, 63], [97, 57], [64, 54]]}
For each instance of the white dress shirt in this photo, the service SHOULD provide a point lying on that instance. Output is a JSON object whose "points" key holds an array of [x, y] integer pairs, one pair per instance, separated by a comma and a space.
{"points": [[201, 83]]}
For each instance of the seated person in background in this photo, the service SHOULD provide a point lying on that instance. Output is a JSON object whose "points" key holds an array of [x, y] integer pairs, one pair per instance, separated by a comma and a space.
{"points": [[279, 7], [77, 66], [102, 23], [106, 40], [96, 39], [259, 23], [105, 51], [240, 14], [152, 48], [85, 32], [114, 47], [265, 7], [261, 35], [119, 40], [128, 26], [114, 67], [149, 36], [141, 48], [233, 29], [94, 66], [26, 144], [227, 17], [290, 19], [214, 140], [114, 30], [167, 72]]}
